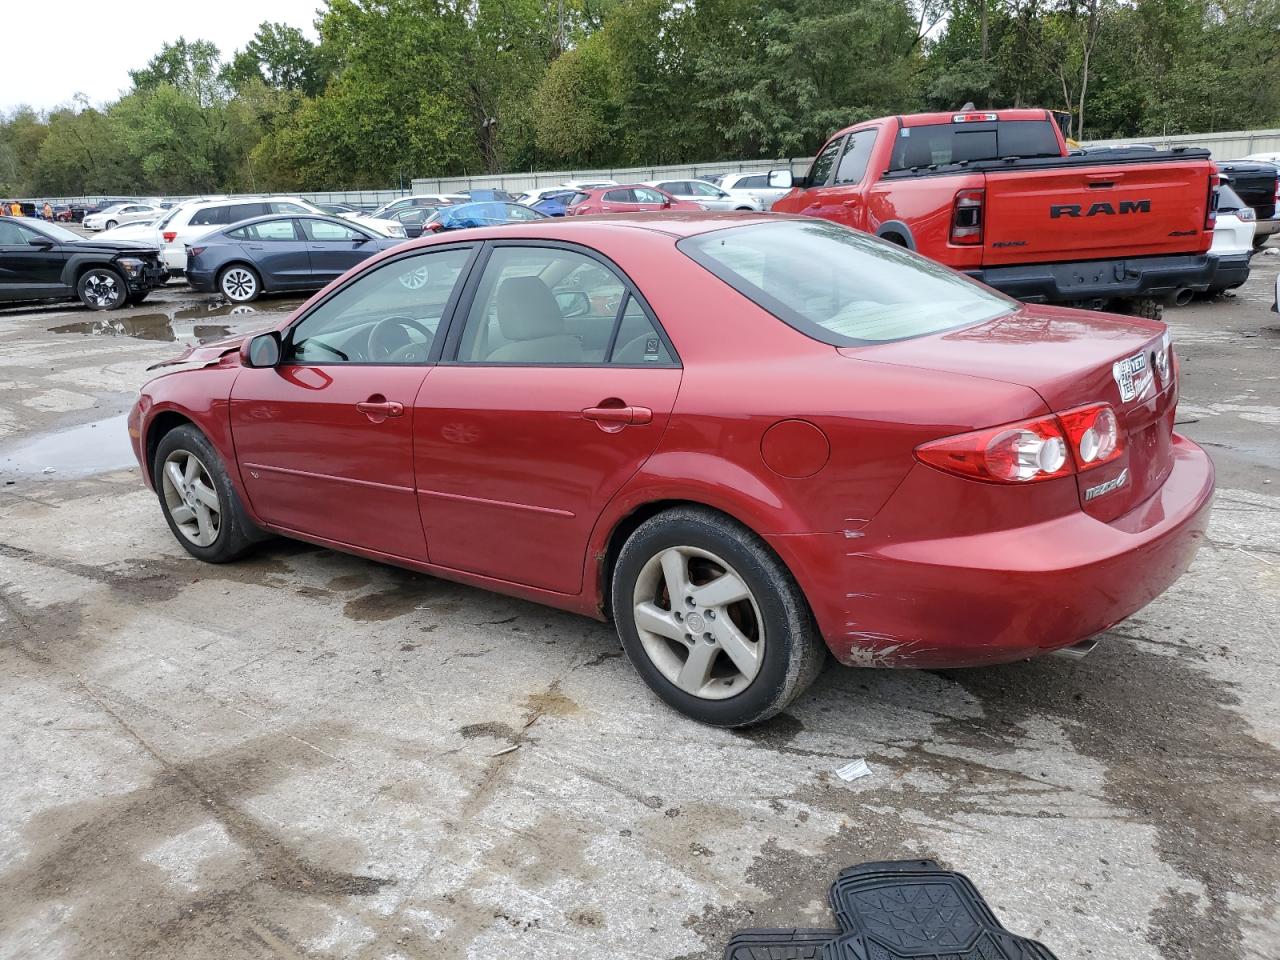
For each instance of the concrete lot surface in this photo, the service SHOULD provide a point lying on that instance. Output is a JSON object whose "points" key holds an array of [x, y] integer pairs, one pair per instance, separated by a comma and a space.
{"points": [[306, 754]]}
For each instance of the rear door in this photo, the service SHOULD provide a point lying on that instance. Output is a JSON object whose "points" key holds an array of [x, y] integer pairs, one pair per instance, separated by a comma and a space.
{"points": [[546, 404], [278, 250], [617, 201]]}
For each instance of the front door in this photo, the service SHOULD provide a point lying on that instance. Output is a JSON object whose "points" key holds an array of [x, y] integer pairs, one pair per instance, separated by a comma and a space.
{"points": [[324, 440], [557, 390], [334, 248], [31, 264]]}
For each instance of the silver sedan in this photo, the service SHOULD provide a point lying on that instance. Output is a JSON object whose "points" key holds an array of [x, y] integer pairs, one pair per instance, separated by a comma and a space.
{"points": [[707, 194]]}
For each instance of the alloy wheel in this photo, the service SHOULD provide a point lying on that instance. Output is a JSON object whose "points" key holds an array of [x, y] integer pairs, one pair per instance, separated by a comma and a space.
{"points": [[699, 623], [191, 498], [102, 289], [239, 284]]}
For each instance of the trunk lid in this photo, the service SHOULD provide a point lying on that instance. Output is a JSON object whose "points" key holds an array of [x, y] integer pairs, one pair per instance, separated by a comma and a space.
{"points": [[1078, 211], [1070, 358]]}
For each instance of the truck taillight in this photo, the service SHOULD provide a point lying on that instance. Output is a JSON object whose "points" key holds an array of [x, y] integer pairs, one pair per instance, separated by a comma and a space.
{"points": [[1032, 450], [966, 218], [1211, 211]]}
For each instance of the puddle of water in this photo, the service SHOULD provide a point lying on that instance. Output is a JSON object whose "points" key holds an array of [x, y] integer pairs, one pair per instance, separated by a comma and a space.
{"points": [[80, 451], [200, 323]]}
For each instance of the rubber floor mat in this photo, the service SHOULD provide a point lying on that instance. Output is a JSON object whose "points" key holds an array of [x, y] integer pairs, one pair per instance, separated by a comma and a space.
{"points": [[781, 944], [915, 909]]}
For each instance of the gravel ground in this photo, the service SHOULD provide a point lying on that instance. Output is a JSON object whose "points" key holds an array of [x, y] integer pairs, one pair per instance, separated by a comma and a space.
{"points": [[306, 754]]}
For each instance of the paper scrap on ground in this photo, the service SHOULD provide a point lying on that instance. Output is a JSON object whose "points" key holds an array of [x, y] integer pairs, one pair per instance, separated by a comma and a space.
{"points": [[854, 769]]}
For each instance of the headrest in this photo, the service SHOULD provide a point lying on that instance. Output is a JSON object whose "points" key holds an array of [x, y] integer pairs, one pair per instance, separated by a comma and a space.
{"points": [[527, 310]]}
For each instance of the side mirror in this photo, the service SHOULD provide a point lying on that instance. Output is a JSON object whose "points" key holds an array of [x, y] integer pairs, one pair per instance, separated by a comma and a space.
{"points": [[781, 179], [44, 243], [665, 204], [261, 351], [723, 196], [359, 241]]}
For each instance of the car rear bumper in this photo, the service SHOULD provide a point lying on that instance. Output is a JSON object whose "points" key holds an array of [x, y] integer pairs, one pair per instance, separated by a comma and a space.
{"points": [[1232, 270], [202, 281], [1106, 279], [1265, 228], [1004, 595]]}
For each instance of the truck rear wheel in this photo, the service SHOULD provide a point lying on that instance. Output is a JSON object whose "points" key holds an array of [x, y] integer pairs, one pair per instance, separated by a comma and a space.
{"points": [[1146, 307]]}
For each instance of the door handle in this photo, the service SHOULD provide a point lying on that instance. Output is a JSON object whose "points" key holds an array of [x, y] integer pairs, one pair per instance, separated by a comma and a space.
{"points": [[851, 203], [627, 416], [379, 410]]}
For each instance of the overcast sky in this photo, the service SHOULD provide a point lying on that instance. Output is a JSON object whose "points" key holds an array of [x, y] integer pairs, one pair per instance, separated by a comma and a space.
{"points": [[54, 49]]}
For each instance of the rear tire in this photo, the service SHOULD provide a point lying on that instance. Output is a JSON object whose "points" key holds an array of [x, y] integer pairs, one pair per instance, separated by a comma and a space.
{"points": [[746, 646], [102, 288], [197, 497], [240, 283], [1145, 307]]}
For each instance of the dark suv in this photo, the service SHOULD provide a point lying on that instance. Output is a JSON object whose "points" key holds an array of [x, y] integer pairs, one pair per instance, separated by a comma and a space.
{"points": [[43, 261]]}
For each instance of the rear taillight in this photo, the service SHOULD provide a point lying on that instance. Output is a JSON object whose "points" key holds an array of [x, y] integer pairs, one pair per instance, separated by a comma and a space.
{"points": [[1211, 211], [195, 251], [1246, 214], [1014, 453], [1093, 433], [1042, 449], [966, 218], [169, 236]]}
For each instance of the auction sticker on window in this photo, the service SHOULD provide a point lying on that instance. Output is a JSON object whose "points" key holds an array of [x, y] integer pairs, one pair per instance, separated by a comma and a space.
{"points": [[1132, 376]]}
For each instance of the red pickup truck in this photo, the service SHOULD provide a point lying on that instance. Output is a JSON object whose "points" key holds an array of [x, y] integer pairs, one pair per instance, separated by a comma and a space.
{"points": [[997, 195]]}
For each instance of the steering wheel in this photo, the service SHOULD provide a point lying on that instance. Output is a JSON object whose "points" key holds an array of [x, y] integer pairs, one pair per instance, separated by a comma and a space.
{"points": [[389, 342]]}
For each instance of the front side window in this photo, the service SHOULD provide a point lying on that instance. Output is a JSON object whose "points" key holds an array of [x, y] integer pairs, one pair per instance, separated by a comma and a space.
{"points": [[387, 315], [325, 230], [697, 189], [543, 305], [840, 286], [647, 195], [820, 172]]}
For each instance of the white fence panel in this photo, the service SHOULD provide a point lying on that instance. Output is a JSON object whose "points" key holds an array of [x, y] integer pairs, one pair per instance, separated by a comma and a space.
{"points": [[1225, 145]]}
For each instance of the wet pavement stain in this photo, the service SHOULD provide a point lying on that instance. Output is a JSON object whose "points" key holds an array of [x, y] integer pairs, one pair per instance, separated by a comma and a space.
{"points": [[200, 323], [78, 451]]}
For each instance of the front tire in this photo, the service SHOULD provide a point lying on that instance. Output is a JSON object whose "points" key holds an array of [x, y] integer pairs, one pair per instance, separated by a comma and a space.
{"points": [[102, 288], [111, 225], [712, 620], [240, 283], [197, 497]]}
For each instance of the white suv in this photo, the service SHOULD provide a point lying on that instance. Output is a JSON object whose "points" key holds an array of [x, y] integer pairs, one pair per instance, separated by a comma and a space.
{"points": [[193, 219]]}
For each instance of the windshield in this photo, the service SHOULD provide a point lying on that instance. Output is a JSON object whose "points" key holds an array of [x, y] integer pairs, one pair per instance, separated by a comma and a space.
{"points": [[840, 286]]}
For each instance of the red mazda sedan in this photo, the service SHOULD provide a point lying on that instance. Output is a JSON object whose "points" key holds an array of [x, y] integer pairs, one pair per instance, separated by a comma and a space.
{"points": [[746, 439]]}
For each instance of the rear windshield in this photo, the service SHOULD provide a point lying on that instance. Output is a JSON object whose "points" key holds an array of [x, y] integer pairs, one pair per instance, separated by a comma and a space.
{"points": [[840, 286], [942, 143]]}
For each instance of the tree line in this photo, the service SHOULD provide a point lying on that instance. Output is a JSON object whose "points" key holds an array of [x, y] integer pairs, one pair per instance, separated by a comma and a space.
{"points": [[394, 89]]}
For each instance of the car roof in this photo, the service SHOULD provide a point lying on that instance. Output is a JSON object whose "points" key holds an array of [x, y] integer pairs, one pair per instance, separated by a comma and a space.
{"points": [[296, 216], [672, 223]]}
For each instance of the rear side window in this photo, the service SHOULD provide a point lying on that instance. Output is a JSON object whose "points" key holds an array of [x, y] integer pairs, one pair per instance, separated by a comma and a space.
{"points": [[857, 152], [754, 183], [210, 216], [841, 286], [943, 143], [619, 196], [245, 211]]}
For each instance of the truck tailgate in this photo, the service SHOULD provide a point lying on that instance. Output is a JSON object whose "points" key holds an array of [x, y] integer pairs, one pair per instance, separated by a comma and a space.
{"points": [[1102, 212]]}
